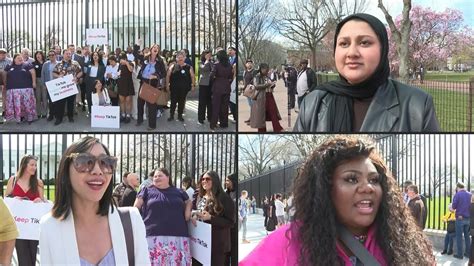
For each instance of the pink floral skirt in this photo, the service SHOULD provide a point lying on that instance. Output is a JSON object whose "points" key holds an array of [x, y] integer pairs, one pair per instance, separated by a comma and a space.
{"points": [[20, 103], [169, 250]]}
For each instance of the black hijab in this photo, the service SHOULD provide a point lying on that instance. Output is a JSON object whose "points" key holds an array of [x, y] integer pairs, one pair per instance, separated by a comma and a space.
{"points": [[341, 112]]}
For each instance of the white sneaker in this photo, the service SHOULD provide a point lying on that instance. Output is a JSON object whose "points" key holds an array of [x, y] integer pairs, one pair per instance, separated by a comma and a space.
{"points": [[159, 113]]}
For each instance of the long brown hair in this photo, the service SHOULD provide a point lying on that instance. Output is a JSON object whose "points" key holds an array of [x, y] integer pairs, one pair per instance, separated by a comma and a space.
{"points": [[213, 205], [401, 240], [33, 182]]}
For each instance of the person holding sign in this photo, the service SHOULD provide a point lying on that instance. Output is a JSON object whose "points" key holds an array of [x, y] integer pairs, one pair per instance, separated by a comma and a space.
{"points": [[180, 80], [100, 96], [215, 207], [85, 227], [166, 209], [65, 67], [20, 83], [26, 185]]}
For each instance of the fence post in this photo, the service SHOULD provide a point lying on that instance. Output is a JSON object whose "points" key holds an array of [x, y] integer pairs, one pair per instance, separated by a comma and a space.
{"points": [[469, 110]]}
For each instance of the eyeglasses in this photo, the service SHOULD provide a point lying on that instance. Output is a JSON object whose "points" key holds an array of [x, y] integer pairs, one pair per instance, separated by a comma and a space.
{"points": [[207, 179], [85, 162], [51, 55]]}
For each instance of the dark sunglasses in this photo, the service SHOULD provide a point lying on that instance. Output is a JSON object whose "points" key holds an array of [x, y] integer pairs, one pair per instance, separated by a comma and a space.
{"points": [[207, 179], [85, 162]]}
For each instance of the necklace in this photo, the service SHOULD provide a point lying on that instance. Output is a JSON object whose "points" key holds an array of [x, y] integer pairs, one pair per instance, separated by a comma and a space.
{"points": [[361, 238]]}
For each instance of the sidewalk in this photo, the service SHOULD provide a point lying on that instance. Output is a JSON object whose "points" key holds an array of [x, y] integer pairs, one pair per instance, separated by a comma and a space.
{"points": [[256, 232], [83, 124], [281, 98]]}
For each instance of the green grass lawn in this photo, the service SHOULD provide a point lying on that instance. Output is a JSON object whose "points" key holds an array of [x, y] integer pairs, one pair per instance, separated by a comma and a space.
{"points": [[451, 109], [437, 208], [449, 76]]}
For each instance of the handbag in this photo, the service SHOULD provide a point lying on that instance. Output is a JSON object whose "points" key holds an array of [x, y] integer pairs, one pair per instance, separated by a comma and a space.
{"points": [[128, 231], [148, 93], [112, 89], [163, 97], [270, 224], [451, 226], [251, 92]]}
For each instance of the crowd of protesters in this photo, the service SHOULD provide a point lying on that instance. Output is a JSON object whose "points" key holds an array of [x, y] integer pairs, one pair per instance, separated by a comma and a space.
{"points": [[115, 78], [86, 223]]}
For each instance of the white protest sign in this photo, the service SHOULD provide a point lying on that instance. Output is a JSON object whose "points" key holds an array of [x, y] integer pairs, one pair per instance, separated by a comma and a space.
{"points": [[61, 88], [27, 215], [200, 237], [105, 116], [97, 36]]}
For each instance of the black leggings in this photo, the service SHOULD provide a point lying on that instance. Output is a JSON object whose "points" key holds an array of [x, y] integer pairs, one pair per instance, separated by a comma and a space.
{"points": [[26, 252]]}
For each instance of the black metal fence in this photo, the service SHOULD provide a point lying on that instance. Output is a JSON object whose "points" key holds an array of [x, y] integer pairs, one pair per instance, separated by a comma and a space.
{"points": [[183, 155], [434, 162], [173, 24], [453, 100]]}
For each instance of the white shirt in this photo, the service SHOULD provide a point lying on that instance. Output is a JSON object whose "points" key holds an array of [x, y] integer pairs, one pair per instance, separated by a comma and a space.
{"points": [[93, 73], [279, 208], [112, 70], [190, 192], [302, 83], [130, 57]]}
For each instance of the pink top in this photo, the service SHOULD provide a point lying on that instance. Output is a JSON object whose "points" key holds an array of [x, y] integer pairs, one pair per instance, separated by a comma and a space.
{"points": [[279, 249]]}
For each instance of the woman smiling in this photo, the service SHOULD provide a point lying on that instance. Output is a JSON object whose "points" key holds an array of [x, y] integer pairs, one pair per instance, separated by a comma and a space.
{"points": [[84, 227], [364, 98]]}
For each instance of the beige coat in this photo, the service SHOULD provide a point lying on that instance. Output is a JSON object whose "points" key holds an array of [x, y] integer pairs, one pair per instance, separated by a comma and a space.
{"points": [[257, 111]]}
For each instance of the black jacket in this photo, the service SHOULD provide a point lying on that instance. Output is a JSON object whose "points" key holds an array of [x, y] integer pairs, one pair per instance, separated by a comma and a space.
{"points": [[396, 107], [221, 225]]}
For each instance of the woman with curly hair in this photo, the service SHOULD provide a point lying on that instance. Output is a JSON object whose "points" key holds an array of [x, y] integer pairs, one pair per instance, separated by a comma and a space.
{"points": [[344, 192], [215, 207]]}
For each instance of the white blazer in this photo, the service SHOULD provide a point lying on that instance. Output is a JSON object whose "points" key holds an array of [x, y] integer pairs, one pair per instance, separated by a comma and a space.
{"points": [[95, 97], [58, 243]]}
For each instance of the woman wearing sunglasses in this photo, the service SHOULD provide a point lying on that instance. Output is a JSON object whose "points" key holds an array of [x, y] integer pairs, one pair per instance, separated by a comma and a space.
{"points": [[165, 211], [215, 207], [84, 227], [25, 185]]}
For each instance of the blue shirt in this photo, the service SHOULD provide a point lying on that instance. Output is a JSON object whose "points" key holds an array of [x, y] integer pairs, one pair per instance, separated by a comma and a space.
{"points": [[149, 70], [462, 203], [243, 208]]}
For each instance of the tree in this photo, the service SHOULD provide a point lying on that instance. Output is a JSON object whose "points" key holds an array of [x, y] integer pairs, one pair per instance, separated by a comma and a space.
{"points": [[434, 37], [401, 36], [308, 22], [257, 153], [15, 41], [255, 23], [269, 52]]}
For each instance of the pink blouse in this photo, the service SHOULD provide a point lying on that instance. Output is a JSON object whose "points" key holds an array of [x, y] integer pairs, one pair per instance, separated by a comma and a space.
{"points": [[279, 249]]}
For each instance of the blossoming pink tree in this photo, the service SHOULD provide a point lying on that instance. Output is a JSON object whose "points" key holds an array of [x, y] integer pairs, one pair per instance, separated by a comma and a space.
{"points": [[434, 37]]}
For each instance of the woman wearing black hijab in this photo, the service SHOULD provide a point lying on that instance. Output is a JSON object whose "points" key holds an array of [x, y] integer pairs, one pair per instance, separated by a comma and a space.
{"points": [[364, 99]]}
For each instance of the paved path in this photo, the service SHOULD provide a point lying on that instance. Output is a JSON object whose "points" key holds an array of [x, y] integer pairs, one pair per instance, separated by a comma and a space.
{"points": [[281, 98], [256, 232], [83, 124]]}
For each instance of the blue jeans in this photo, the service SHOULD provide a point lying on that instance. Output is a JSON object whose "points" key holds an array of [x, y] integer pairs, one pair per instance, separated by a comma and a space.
{"points": [[448, 241], [463, 226]]}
